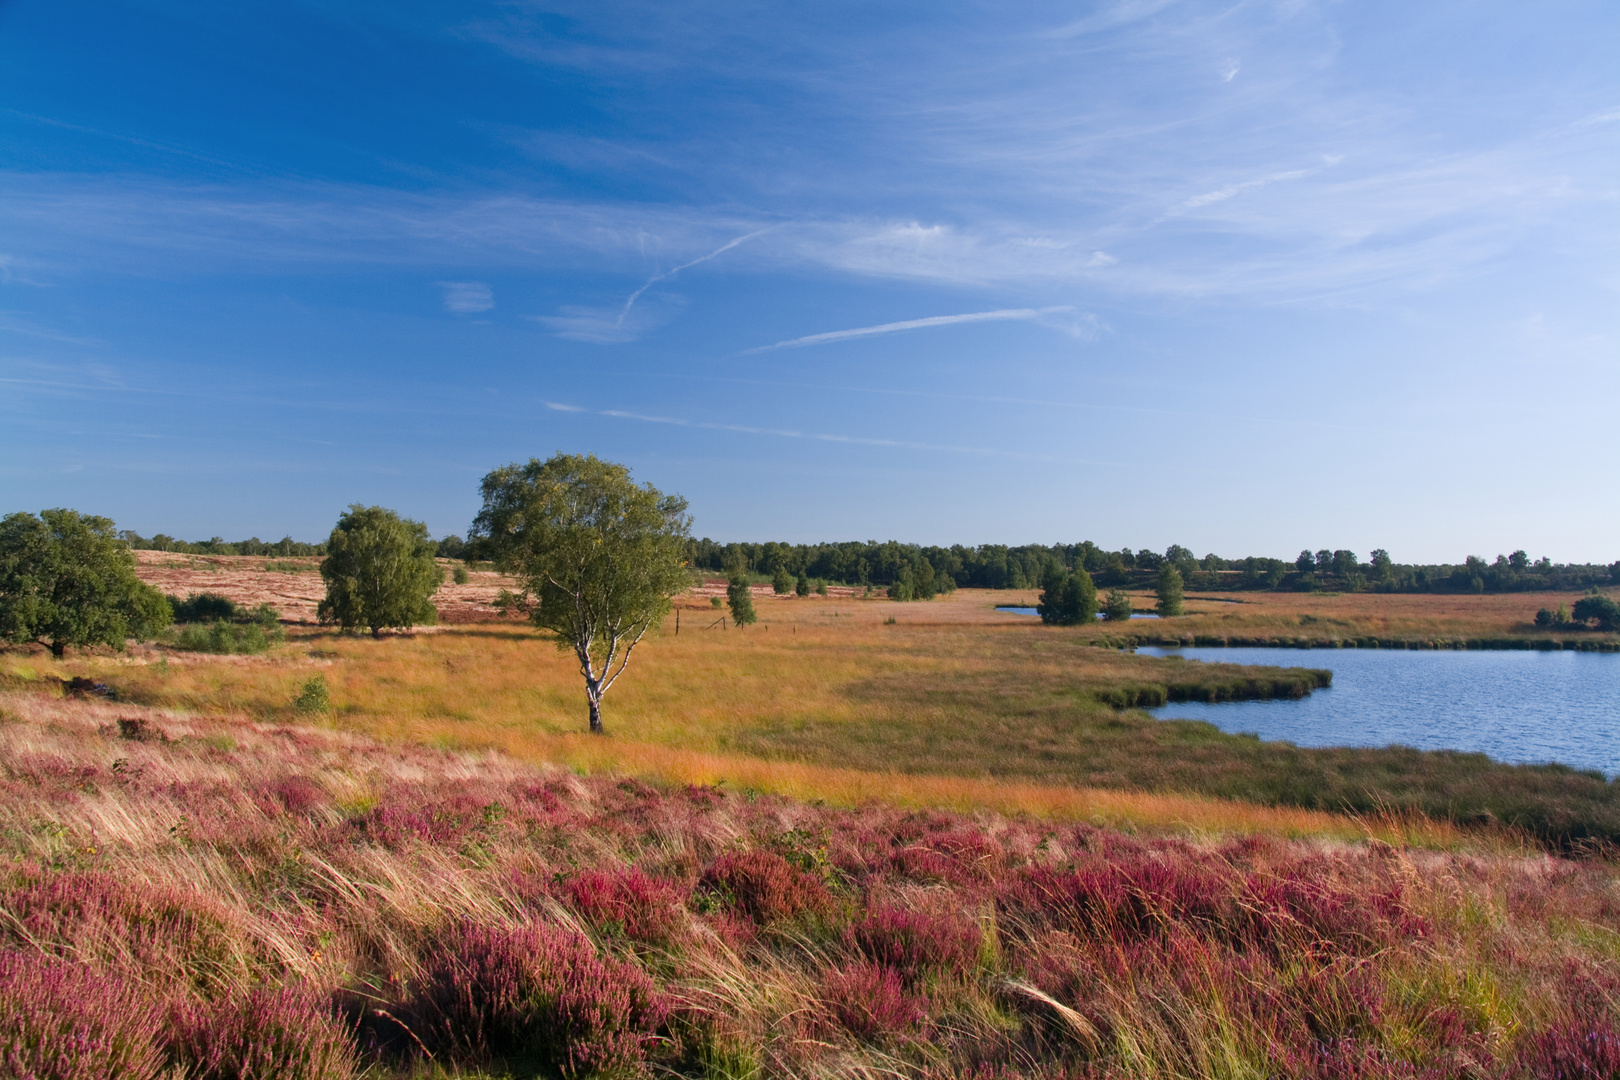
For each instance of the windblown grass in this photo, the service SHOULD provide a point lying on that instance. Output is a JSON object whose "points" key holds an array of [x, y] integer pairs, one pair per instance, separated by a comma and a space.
{"points": [[234, 898], [949, 706]]}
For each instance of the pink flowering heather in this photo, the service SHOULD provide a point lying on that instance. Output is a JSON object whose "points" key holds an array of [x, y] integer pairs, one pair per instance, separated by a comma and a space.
{"points": [[260, 1033], [60, 1021], [537, 994]]}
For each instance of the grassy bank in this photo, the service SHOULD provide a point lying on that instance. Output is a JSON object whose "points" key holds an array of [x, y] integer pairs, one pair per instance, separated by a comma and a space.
{"points": [[951, 705], [232, 898]]}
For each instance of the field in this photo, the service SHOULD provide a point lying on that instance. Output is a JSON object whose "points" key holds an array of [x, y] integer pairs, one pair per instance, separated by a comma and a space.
{"points": [[225, 898], [857, 839], [950, 703]]}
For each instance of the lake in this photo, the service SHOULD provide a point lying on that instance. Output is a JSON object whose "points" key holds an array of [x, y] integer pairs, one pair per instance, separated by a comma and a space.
{"points": [[1013, 609], [1515, 705]]}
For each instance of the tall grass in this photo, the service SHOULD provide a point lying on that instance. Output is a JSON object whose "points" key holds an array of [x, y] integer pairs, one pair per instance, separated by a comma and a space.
{"points": [[240, 899], [824, 700]]}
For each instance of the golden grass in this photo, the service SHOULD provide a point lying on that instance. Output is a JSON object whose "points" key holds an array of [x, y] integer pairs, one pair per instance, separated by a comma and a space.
{"points": [[686, 698]]}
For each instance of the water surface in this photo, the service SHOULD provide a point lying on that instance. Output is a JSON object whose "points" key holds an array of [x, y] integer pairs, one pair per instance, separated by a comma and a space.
{"points": [[1517, 706], [1036, 611]]}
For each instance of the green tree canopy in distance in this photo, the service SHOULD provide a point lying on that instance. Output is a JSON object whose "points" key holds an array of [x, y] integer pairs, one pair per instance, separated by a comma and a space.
{"points": [[597, 555], [67, 579], [379, 572], [1068, 600]]}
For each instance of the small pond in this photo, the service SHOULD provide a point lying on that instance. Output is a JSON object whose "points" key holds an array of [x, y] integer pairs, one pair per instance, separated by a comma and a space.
{"points": [[1032, 611], [1515, 705]]}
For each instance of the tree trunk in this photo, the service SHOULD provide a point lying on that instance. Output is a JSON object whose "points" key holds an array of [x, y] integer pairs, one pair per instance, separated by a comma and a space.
{"points": [[58, 648], [595, 700]]}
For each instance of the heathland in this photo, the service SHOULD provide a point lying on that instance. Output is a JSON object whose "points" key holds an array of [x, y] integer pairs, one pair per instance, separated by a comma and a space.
{"points": [[947, 703], [858, 838]]}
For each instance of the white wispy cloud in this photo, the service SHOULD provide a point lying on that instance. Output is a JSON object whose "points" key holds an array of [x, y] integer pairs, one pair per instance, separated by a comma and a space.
{"points": [[667, 274], [1045, 314], [466, 297], [1222, 194]]}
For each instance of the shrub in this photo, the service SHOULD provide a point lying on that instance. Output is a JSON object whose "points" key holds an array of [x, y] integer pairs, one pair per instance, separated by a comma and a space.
{"points": [[459, 575], [781, 582], [313, 696], [869, 1000], [204, 607], [58, 1021], [227, 638], [821, 588], [642, 908], [1117, 608], [537, 994], [801, 587], [1599, 609], [1582, 1049], [915, 943], [287, 1033], [765, 887]]}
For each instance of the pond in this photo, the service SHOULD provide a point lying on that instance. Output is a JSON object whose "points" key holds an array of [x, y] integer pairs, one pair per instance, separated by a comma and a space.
{"points": [[1032, 611], [1515, 705]]}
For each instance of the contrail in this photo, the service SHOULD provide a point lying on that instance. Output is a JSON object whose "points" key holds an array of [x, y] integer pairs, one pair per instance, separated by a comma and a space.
{"points": [[665, 275], [1003, 314]]}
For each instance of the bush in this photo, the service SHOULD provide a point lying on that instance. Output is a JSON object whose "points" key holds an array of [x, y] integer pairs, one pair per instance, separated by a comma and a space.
{"points": [[869, 1000], [642, 908], [288, 1033], [1117, 608], [58, 1021], [781, 582], [914, 943], [227, 637], [801, 587], [821, 588], [1599, 609], [205, 607], [765, 887], [537, 994], [313, 696], [459, 575]]}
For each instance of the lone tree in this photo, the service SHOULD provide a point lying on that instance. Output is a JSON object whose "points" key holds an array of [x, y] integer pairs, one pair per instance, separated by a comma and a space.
{"points": [[739, 594], [597, 555], [67, 579], [1069, 599], [379, 571], [1169, 591]]}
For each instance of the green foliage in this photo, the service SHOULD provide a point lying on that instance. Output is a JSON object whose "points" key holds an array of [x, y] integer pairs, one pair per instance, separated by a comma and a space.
{"points": [[740, 598], [821, 588], [379, 571], [203, 607], [313, 697], [781, 582], [228, 637], [801, 587], [1599, 609], [1117, 608], [1169, 591], [67, 579], [715, 601], [459, 575], [1068, 600], [597, 555]]}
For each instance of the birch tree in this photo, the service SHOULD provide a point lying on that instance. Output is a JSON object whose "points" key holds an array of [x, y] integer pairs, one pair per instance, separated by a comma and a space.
{"points": [[598, 557]]}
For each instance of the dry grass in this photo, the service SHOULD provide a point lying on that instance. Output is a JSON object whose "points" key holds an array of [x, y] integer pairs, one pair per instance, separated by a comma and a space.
{"points": [[221, 856]]}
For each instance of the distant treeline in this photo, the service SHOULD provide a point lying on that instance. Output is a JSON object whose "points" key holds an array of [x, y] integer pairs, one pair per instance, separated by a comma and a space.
{"points": [[927, 571], [998, 566]]}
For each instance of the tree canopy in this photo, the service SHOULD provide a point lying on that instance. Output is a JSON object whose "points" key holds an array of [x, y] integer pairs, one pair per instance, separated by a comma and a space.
{"points": [[1068, 600], [379, 572], [1170, 591], [67, 579], [597, 555]]}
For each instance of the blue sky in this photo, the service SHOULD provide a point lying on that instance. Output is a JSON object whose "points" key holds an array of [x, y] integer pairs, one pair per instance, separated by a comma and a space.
{"points": [[1247, 277]]}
